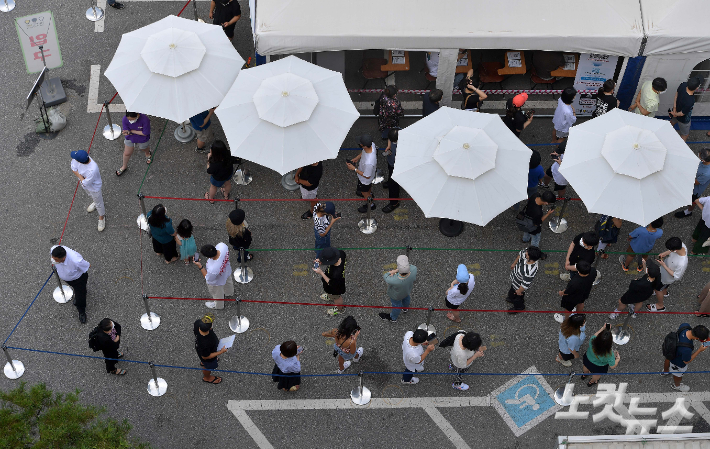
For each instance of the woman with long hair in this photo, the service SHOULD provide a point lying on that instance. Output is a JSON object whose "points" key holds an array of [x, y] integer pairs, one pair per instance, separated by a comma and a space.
{"points": [[345, 347], [161, 229], [239, 235], [571, 337], [219, 166], [600, 356]]}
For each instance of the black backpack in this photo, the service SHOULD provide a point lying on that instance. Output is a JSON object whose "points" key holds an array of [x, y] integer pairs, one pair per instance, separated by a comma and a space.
{"points": [[94, 339], [671, 343]]}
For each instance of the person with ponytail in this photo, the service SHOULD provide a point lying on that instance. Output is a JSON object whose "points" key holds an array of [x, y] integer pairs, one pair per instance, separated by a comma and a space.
{"points": [[606, 101]]}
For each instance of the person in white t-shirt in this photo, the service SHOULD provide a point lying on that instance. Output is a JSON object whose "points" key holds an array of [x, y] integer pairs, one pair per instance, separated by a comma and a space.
{"points": [[414, 353], [90, 177], [467, 348], [367, 165], [217, 272], [673, 263], [702, 230], [459, 291]]}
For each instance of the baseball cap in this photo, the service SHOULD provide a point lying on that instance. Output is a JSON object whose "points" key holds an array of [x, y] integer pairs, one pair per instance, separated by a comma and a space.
{"points": [[653, 270], [329, 208], [520, 99], [81, 156], [403, 264], [329, 256], [236, 217], [366, 140], [462, 274]]}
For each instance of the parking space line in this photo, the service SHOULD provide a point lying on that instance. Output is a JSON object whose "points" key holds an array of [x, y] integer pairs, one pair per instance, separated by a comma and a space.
{"points": [[254, 432], [99, 24], [447, 428], [93, 104]]}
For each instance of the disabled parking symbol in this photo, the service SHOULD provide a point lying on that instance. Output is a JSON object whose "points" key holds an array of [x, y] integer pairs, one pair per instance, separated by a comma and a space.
{"points": [[524, 401]]}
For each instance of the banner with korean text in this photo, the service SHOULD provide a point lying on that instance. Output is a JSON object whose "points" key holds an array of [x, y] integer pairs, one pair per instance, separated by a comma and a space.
{"points": [[592, 71], [35, 30]]}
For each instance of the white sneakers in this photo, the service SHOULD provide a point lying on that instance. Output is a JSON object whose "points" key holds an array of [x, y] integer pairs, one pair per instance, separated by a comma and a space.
{"points": [[346, 365], [565, 276], [682, 387], [559, 318], [414, 381], [325, 297], [564, 362], [91, 208], [211, 304], [358, 354], [461, 386], [102, 225]]}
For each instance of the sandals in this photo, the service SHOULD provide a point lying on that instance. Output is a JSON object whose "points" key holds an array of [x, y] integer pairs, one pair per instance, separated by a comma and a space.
{"points": [[119, 172], [149, 159], [207, 197], [120, 372], [591, 383], [701, 315], [215, 381], [120, 355], [226, 196], [451, 317], [584, 376]]}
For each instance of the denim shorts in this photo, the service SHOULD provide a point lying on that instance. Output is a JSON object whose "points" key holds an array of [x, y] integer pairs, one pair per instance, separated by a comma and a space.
{"points": [[216, 183]]}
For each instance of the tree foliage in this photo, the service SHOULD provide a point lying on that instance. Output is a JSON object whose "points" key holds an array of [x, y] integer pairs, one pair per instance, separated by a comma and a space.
{"points": [[39, 419]]}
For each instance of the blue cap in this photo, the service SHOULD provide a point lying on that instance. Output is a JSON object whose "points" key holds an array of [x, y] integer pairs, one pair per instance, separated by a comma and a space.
{"points": [[329, 208], [462, 274], [81, 156]]}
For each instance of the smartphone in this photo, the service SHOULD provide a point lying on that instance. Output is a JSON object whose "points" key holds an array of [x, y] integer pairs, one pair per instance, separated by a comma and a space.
{"points": [[197, 257], [530, 113], [316, 265], [349, 161], [608, 326], [338, 215]]}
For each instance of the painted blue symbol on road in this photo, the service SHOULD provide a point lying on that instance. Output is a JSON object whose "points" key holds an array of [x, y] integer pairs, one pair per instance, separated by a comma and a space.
{"points": [[525, 400]]}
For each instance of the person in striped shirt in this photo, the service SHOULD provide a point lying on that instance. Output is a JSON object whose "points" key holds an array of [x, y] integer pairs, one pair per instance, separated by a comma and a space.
{"points": [[524, 269]]}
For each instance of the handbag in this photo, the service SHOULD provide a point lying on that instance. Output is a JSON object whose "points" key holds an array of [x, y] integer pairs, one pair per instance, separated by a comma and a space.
{"points": [[524, 222]]}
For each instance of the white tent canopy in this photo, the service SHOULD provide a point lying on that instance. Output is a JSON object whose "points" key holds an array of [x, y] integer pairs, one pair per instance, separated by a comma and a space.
{"points": [[611, 27], [675, 26]]}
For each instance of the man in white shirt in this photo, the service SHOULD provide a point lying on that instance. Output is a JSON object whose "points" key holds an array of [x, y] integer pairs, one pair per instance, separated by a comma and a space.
{"points": [[72, 269], [673, 263], [365, 170], [413, 353], [88, 173], [217, 272]]}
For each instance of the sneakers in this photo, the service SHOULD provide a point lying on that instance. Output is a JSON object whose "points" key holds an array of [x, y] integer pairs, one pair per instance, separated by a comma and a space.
{"points": [[414, 381], [386, 316], [653, 308], [565, 276], [682, 387], [202, 150], [362, 209], [358, 354], [325, 297], [622, 259], [462, 386], [333, 311], [211, 304], [116, 5], [346, 365], [639, 268], [91, 208], [405, 310], [542, 184], [559, 318], [682, 214], [614, 315], [102, 225], [564, 362]]}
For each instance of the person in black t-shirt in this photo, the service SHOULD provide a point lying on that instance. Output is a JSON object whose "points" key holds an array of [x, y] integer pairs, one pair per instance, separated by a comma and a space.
{"points": [[640, 289], [606, 101], [577, 290], [226, 13], [514, 118], [220, 168], [308, 178], [430, 101], [333, 277], [683, 106], [108, 341], [472, 96], [581, 248], [206, 343], [533, 210]]}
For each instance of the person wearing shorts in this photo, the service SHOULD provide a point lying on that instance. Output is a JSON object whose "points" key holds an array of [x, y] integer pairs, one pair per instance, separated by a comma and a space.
{"points": [[564, 115], [206, 343], [308, 179], [458, 292], [577, 291], [217, 272], [640, 290], [684, 353], [202, 125], [136, 128], [367, 165]]}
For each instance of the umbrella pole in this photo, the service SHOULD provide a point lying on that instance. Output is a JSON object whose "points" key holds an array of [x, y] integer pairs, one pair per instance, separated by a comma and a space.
{"points": [[111, 131], [184, 134], [450, 228], [558, 224]]}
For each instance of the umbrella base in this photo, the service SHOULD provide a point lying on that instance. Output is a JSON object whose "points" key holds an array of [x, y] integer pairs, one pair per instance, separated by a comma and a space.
{"points": [[184, 133], [241, 177], [288, 181], [558, 225], [450, 228], [367, 225], [620, 335]]}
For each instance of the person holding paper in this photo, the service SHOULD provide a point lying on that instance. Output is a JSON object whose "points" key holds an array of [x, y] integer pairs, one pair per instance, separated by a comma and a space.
{"points": [[206, 343], [287, 361]]}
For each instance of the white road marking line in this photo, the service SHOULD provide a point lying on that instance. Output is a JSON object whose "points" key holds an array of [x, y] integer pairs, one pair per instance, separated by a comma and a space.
{"points": [[332, 404], [93, 104], [254, 432], [99, 24], [701, 409], [447, 428]]}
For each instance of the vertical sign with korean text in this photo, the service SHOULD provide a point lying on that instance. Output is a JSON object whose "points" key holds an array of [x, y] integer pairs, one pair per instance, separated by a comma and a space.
{"points": [[35, 30], [593, 70]]}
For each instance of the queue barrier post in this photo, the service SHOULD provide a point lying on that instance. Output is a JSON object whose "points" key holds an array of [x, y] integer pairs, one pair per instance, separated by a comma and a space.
{"points": [[563, 395], [157, 386], [622, 334], [288, 181], [111, 131], [360, 395], [142, 220], [94, 13], [245, 274], [236, 203], [194, 7], [558, 224], [149, 320], [63, 293], [239, 323], [14, 369], [427, 326], [183, 133], [368, 225], [241, 175]]}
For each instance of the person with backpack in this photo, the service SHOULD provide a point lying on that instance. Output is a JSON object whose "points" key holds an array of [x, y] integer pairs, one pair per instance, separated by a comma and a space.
{"points": [[106, 337], [678, 352], [607, 228], [465, 348]]}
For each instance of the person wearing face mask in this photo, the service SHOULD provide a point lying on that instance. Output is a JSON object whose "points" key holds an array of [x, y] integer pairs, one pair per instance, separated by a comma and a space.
{"points": [[108, 339], [225, 13], [571, 336], [136, 128]]}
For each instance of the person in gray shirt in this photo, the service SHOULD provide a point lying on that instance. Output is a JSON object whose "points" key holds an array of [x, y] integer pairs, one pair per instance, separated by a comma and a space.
{"points": [[399, 287]]}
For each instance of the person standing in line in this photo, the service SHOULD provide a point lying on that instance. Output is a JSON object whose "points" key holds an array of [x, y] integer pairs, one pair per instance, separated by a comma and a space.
{"points": [[553, 173], [108, 340], [581, 248], [683, 106], [648, 98], [345, 343], [515, 119], [534, 211], [218, 274], [206, 343], [473, 96], [577, 291], [564, 116], [600, 356], [333, 277], [414, 353], [239, 234], [163, 234], [640, 290], [641, 241], [136, 128], [571, 336], [308, 179], [523, 271], [430, 101], [185, 240], [226, 13], [467, 347], [535, 175], [673, 264], [323, 220], [701, 233], [606, 101], [704, 302], [220, 168], [89, 175], [74, 270], [702, 180], [390, 111], [458, 292], [287, 360], [677, 363], [607, 227], [202, 124], [367, 165], [391, 154], [400, 283]]}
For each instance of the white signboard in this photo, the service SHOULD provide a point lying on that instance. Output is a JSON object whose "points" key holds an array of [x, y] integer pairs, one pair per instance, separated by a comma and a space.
{"points": [[593, 70], [35, 30]]}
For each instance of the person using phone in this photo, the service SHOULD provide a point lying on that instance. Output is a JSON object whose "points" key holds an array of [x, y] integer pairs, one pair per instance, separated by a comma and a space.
{"points": [[534, 211], [323, 220], [415, 348], [333, 277], [673, 262], [600, 356], [367, 165], [400, 283]]}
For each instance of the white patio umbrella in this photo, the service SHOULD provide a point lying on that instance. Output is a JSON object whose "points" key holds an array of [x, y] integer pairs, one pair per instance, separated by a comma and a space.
{"points": [[629, 166], [462, 165], [174, 68], [287, 114]]}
